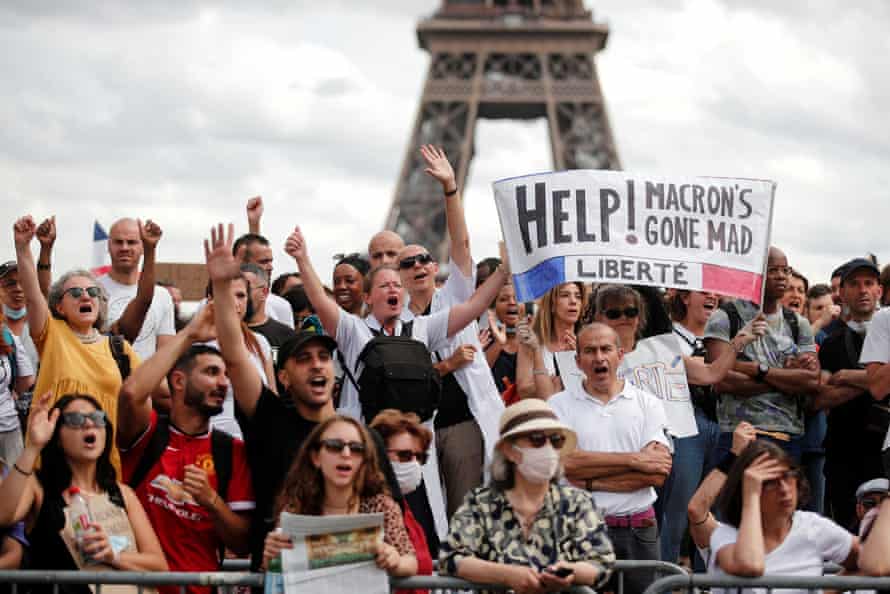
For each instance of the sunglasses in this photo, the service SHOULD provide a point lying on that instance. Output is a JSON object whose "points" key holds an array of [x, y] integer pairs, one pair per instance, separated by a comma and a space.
{"points": [[8, 267], [77, 419], [77, 292], [422, 259], [628, 312], [788, 475], [539, 440], [335, 446], [408, 455]]}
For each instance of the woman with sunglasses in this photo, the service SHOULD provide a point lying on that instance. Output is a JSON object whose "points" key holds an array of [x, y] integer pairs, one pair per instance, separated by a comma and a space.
{"points": [[525, 530], [335, 473], [407, 445], [75, 438], [763, 532], [546, 363], [67, 325]]}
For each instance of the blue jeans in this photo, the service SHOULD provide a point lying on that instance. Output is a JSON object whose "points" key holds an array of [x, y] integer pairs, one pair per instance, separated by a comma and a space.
{"points": [[693, 459], [792, 448], [813, 459]]}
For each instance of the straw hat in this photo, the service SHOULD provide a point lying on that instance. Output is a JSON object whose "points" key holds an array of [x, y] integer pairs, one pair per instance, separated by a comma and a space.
{"points": [[533, 414]]}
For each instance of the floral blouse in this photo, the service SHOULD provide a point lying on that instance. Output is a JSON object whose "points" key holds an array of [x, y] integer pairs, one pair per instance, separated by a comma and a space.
{"points": [[567, 528]]}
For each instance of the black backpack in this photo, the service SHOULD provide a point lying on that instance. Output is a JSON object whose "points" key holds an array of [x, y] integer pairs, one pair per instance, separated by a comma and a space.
{"points": [[398, 374]]}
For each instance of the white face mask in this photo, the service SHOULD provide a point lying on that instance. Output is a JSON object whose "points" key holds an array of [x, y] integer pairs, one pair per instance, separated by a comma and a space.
{"points": [[538, 465], [14, 314], [408, 474]]}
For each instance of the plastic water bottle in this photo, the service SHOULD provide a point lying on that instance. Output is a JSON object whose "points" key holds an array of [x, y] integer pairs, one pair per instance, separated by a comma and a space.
{"points": [[274, 581], [79, 512]]}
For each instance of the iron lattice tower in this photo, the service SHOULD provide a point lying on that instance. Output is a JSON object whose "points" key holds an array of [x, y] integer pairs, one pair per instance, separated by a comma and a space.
{"points": [[516, 59]]}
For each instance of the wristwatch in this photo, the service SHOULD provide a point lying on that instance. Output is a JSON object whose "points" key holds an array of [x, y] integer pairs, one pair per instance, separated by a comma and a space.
{"points": [[762, 370]]}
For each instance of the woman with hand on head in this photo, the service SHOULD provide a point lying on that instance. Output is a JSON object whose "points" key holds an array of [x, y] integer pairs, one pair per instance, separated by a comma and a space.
{"points": [[545, 363], [499, 340], [75, 438], [526, 530], [336, 472]]}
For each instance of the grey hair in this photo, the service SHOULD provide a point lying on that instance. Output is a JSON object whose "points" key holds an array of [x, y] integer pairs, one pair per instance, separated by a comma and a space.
{"points": [[257, 271], [57, 292]]}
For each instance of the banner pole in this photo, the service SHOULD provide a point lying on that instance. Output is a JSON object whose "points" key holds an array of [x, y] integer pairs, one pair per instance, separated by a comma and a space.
{"points": [[769, 240]]}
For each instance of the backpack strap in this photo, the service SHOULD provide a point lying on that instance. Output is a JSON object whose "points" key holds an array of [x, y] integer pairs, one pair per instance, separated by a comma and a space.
{"points": [[116, 344], [735, 318], [116, 496], [153, 451], [346, 368], [791, 320]]}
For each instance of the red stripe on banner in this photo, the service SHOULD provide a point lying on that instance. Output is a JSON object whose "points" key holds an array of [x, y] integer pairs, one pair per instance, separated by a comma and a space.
{"points": [[730, 281], [101, 270]]}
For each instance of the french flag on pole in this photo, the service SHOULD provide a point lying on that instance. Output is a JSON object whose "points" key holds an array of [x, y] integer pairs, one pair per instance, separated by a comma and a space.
{"points": [[101, 264]]}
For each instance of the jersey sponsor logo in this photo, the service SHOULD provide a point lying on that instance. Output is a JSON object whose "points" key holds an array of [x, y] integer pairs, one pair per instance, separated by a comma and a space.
{"points": [[173, 490]]}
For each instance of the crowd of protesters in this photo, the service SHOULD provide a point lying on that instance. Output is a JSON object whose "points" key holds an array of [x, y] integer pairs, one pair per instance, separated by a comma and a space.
{"points": [[510, 442]]}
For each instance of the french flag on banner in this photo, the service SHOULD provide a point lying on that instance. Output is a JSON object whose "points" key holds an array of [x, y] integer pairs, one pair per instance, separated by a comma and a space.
{"points": [[101, 264]]}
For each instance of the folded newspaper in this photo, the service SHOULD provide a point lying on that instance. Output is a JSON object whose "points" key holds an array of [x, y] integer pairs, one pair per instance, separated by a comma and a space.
{"points": [[332, 554]]}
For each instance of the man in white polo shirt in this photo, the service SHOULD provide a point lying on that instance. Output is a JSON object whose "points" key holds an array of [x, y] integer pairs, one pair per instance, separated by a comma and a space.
{"points": [[623, 448]]}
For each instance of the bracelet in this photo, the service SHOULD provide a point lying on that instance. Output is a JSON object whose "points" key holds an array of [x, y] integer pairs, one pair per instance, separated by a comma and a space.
{"points": [[15, 465], [41, 266], [708, 515], [452, 192], [726, 463]]}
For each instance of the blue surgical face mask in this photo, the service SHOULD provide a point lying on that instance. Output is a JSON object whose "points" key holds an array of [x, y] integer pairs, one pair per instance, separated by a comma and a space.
{"points": [[14, 314]]}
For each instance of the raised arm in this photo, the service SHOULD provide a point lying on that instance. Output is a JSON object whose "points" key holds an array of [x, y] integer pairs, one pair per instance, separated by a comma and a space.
{"points": [[131, 320], [325, 307], [463, 313], [533, 380], [439, 168], [255, 214], [134, 399], [222, 267], [38, 311], [700, 373], [46, 235]]}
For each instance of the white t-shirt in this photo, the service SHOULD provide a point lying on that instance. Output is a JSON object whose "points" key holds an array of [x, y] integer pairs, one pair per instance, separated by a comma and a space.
{"points": [[812, 541], [353, 333], [226, 421], [9, 419], [158, 321], [279, 309], [876, 348], [565, 364], [627, 423]]}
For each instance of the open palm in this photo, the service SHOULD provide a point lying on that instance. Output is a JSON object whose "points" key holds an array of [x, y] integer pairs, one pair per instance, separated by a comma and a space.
{"points": [[221, 264]]}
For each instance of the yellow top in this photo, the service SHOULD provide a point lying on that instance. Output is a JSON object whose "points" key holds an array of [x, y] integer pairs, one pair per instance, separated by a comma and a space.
{"points": [[68, 366]]}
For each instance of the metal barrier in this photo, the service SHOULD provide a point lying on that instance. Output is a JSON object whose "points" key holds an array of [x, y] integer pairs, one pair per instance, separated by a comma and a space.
{"points": [[827, 582]]}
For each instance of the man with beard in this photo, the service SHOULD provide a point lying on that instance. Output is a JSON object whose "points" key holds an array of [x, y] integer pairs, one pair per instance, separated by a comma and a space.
{"points": [[278, 425], [197, 492]]}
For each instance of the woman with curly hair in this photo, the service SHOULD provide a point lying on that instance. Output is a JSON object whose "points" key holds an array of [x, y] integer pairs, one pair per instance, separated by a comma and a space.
{"points": [[337, 472]]}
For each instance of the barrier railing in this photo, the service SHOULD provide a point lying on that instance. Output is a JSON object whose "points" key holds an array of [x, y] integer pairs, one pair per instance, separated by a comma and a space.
{"points": [[690, 582]]}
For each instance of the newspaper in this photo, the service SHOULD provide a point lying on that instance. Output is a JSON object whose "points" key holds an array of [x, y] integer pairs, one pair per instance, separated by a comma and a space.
{"points": [[332, 554]]}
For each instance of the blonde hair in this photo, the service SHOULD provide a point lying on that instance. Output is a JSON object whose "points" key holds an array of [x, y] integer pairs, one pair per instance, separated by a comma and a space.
{"points": [[543, 324]]}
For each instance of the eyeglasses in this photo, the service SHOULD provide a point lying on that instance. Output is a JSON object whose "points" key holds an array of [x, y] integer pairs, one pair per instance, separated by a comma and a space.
{"points": [[77, 419], [77, 292], [335, 446], [422, 259], [869, 502], [628, 312], [787, 476], [539, 440], [408, 455]]}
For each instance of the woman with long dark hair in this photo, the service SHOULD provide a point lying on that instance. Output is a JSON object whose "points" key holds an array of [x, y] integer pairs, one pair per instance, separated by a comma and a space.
{"points": [[75, 438], [336, 472], [763, 531]]}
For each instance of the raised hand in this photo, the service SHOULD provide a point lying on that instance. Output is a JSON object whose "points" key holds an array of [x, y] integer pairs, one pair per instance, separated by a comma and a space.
{"points": [[221, 264], [765, 468], [41, 422], [255, 211], [23, 231], [526, 335], [743, 435], [499, 333], [150, 233], [438, 166], [201, 327], [46, 232], [295, 245]]}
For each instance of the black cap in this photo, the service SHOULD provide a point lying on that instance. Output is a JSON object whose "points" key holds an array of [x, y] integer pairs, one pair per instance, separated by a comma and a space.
{"points": [[855, 264], [8, 267], [295, 344]]}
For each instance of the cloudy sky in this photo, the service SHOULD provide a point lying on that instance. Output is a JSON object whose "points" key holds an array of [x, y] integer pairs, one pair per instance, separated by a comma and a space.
{"points": [[180, 110]]}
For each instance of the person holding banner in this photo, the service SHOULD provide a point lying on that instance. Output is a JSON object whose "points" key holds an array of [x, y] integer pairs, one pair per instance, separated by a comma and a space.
{"points": [[545, 364]]}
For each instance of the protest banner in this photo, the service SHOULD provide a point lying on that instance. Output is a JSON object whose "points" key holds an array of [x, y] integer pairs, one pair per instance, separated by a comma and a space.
{"points": [[694, 233], [656, 366]]}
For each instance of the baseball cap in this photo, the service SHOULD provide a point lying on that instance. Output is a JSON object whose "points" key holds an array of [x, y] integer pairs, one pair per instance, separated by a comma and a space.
{"points": [[878, 485], [855, 264], [8, 267], [295, 344]]}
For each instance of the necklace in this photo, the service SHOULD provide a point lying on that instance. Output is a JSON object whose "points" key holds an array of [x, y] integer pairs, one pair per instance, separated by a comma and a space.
{"points": [[88, 338]]}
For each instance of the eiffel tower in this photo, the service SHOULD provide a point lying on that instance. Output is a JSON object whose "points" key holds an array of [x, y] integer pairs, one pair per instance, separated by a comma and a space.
{"points": [[510, 59]]}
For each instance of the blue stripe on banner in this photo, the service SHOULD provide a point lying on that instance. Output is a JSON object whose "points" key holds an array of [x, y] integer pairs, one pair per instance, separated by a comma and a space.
{"points": [[533, 283], [99, 233]]}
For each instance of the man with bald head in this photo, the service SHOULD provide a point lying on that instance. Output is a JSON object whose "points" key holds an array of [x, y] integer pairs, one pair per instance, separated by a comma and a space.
{"points": [[384, 248], [774, 376], [126, 250], [623, 448]]}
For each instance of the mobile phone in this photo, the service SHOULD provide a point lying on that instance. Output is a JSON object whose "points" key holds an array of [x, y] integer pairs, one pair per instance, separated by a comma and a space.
{"points": [[562, 572]]}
